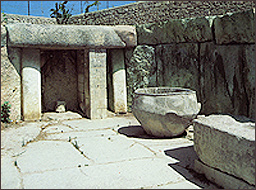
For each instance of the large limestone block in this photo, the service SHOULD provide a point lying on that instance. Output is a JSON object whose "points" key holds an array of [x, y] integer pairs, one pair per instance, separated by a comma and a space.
{"points": [[10, 81], [97, 84], [235, 28], [31, 84], [117, 81], [70, 36], [227, 79], [175, 31], [225, 144], [141, 69], [177, 65]]}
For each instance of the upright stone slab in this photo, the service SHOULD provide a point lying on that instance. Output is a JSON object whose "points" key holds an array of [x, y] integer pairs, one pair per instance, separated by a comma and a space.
{"points": [[227, 145], [31, 84], [97, 84], [118, 81]]}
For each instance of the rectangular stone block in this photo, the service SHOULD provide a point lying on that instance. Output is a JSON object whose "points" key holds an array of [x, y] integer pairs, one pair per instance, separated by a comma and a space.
{"points": [[118, 81], [226, 144], [97, 83], [31, 84], [235, 28], [175, 31]]}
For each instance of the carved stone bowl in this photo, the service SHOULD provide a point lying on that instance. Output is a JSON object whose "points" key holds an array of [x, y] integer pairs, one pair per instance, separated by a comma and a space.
{"points": [[165, 111]]}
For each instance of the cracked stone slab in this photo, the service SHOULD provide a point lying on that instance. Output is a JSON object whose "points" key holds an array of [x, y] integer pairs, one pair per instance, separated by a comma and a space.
{"points": [[86, 124], [111, 149], [70, 36], [49, 155], [129, 174], [77, 135], [12, 139], [10, 177]]}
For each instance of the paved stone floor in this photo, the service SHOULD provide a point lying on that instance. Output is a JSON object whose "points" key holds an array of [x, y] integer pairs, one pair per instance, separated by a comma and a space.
{"points": [[89, 154]]}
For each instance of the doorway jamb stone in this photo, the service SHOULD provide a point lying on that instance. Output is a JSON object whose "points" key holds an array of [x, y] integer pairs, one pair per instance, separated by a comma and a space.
{"points": [[31, 84]]}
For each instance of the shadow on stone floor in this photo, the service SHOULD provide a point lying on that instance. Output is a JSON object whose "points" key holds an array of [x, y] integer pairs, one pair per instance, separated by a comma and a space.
{"points": [[186, 157], [137, 131]]}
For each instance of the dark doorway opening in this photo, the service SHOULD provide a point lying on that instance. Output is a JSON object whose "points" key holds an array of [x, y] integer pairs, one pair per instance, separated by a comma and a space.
{"points": [[59, 79]]}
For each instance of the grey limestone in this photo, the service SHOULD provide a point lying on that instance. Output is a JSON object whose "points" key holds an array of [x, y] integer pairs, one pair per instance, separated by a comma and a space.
{"points": [[66, 36], [235, 28], [227, 145], [223, 179], [175, 31], [118, 81]]}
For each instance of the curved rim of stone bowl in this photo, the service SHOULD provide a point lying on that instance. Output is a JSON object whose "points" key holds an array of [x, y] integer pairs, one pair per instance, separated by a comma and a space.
{"points": [[163, 91]]}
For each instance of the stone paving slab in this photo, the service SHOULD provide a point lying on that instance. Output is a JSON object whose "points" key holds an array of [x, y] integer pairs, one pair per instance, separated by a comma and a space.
{"points": [[112, 149], [10, 176], [49, 155], [83, 153]]}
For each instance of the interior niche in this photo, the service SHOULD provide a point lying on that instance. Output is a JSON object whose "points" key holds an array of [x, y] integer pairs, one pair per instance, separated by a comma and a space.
{"points": [[59, 79]]}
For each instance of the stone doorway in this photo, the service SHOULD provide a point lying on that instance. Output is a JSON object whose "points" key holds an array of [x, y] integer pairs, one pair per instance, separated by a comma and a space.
{"points": [[59, 79]]}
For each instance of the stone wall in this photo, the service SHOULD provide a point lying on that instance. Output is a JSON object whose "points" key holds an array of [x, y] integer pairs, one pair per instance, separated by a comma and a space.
{"points": [[11, 18], [153, 11], [212, 55]]}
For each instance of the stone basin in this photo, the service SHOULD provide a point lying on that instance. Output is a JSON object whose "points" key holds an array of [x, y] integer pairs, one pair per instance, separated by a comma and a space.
{"points": [[165, 111]]}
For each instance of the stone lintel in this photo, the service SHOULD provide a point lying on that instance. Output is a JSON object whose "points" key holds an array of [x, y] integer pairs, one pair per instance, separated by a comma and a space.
{"points": [[70, 36]]}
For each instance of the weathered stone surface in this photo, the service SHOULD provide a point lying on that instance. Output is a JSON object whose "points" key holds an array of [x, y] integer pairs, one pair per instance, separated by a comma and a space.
{"points": [[10, 81], [227, 79], [117, 81], [177, 65], [227, 145], [223, 179], [165, 112], [97, 84], [175, 31], [31, 84], [61, 116], [59, 155], [66, 36], [10, 177], [235, 28], [3, 36], [141, 69], [127, 34]]}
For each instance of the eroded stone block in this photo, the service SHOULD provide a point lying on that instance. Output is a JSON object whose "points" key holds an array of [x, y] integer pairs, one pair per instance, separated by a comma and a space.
{"points": [[175, 31], [235, 28], [225, 144]]}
